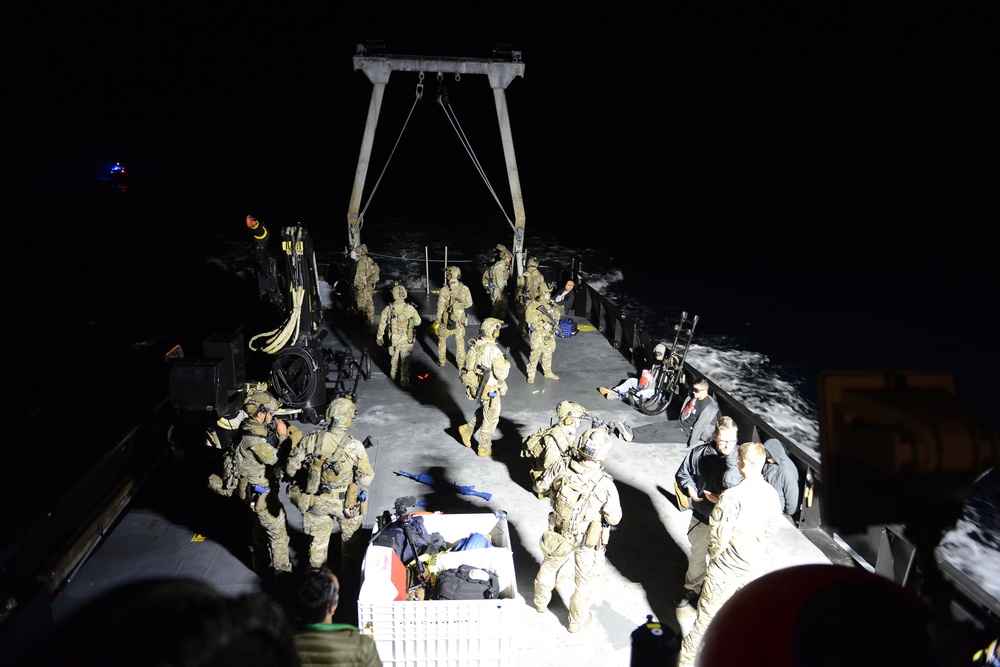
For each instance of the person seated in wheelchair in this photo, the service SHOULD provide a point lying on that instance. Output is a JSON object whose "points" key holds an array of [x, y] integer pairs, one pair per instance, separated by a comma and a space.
{"points": [[638, 390]]}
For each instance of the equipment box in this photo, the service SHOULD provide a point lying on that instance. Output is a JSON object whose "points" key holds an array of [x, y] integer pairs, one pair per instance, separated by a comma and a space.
{"points": [[421, 633]]}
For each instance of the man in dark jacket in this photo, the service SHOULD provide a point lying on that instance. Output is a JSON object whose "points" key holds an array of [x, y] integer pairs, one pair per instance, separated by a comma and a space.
{"points": [[781, 473], [707, 471]]}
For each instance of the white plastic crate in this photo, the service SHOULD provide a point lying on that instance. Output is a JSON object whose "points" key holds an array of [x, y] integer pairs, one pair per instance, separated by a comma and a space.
{"points": [[420, 633]]}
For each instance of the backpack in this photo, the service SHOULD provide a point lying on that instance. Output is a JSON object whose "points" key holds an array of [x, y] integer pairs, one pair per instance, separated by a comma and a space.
{"points": [[567, 327], [532, 446], [225, 484], [569, 502], [468, 375], [466, 583]]}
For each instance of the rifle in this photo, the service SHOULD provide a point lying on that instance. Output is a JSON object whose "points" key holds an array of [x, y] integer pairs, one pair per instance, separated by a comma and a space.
{"points": [[487, 376], [424, 478], [400, 507]]}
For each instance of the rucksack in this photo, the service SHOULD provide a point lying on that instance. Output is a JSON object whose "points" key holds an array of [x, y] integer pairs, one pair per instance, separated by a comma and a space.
{"points": [[466, 582], [567, 327], [468, 375], [225, 483], [531, 447]]}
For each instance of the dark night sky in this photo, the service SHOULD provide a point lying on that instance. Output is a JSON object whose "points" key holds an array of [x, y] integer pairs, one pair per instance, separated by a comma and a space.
{"points": [[846, 151]]}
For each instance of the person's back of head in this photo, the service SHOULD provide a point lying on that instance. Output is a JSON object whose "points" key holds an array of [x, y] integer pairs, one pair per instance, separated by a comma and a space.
{"points": [[318, 595], [177, 623]]}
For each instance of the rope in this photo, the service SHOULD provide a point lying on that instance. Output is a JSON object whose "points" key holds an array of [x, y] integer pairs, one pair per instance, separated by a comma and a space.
{"points": [[452, 117], [417, 97]]}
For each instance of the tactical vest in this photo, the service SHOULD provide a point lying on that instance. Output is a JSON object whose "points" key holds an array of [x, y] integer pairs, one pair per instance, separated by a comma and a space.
{"points": [[570, 502]]}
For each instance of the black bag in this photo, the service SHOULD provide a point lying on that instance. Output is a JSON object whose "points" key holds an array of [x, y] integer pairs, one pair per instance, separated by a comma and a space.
{"points": [[466, 583]]}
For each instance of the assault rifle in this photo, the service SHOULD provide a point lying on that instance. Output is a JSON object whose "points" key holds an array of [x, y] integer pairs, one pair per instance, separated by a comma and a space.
{"points": [[618, 429], [424, 478], [487, 376]]}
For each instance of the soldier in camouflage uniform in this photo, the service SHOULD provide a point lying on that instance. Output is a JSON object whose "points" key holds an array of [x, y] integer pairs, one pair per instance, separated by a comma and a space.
{"points": [[542, 326], [484, 376], [585, 503], [257, 469], [401, 320], [366, 276], [495, 282], [549, 445], [530, 284], [453, 301], [330, 473]]}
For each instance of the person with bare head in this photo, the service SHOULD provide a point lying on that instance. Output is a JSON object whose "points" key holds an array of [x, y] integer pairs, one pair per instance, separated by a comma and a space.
{"points": [[319, 640], [706, 471], [742, 519]]}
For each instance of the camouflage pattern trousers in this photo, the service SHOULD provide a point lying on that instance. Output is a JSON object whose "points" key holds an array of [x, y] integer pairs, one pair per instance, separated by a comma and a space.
{"points": [[720, 584], [317, 522], [444, 333], [400, 355], [500, 304], [558, 549], [487, 416], [270, 534], [364, 304], [542, 347]]}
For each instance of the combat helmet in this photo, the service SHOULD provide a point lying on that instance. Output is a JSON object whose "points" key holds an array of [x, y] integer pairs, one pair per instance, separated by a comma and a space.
{"points": [[260, 401], [362, 249], [570, 410], [398, 292], [491, 327], [532, 263], [452, 273], [595, 443], [341, 412]]}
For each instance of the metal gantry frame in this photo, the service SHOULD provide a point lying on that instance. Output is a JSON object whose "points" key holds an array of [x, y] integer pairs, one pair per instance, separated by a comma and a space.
{"points": [[499, 74]]}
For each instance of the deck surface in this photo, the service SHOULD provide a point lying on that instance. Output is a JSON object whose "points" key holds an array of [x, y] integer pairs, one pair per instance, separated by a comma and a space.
{"points": [[176, 528]]}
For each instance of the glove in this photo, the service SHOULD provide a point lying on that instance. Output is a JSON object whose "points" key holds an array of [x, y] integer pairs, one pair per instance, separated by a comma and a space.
{"points": [[380, 342]]}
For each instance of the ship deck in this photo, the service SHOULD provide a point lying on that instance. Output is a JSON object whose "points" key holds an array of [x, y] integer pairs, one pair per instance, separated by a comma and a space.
{"points": [[176, 528]]}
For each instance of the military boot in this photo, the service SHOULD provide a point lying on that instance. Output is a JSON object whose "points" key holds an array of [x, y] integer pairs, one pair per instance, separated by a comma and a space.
{"points": [[485, 450], [531, 378], [466, 432], [550, 375]]}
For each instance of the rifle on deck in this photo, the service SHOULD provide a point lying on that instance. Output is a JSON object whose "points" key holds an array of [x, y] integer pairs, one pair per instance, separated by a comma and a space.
{"points": [[424, 478]]}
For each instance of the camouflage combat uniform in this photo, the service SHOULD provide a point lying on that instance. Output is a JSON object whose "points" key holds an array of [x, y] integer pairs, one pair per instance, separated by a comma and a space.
{"points": [[257, 467], [531, 284], [453, 301], [584, 494], [401, 320], [366, 276], [554, 444], [329, 469], [745, 516], [542, 326], [495, 282], [484, 376]]}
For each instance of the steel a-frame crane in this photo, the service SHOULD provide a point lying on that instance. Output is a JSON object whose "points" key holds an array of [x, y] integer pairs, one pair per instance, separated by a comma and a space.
{"points": [[499, 72]]}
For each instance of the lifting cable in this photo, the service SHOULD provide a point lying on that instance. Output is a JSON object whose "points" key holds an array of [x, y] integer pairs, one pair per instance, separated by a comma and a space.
{"points": [[449, 112], [417, 97]]}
